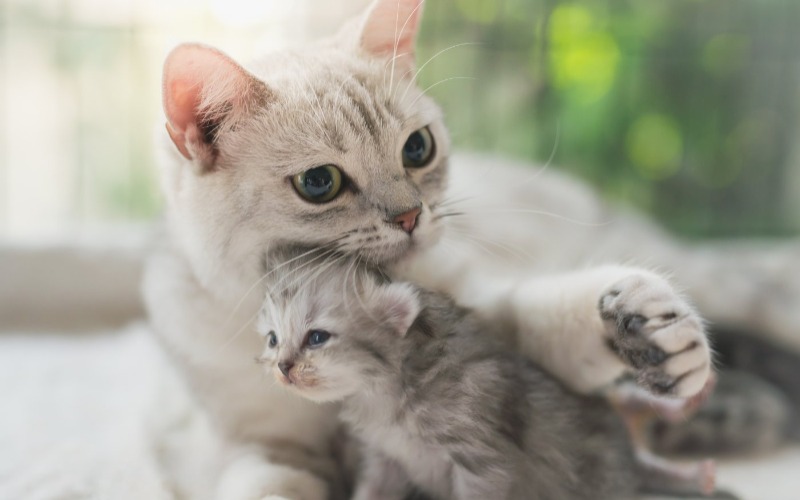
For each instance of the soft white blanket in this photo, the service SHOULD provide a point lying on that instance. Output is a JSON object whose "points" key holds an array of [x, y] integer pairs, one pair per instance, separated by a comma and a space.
{"points": [[76, 411]]}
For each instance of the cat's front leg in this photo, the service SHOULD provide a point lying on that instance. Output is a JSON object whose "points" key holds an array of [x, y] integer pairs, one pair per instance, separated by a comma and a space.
{"points": [[657, 333], [591, 327], [250, 475]]}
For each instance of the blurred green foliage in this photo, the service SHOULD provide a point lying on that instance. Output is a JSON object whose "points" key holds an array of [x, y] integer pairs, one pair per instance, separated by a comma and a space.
{"points": [[686, 109]]}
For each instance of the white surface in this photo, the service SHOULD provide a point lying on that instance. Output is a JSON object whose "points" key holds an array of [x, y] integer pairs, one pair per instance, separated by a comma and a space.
{"points": [[74, 419]]}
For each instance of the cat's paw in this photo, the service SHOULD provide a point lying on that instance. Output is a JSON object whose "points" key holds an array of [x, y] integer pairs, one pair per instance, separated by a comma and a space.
{"points": [[250, 477], [657, 334]]}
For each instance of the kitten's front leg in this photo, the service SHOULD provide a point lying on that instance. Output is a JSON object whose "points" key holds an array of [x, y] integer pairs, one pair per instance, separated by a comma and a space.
{"points": [[382, 479], [591, 327]]}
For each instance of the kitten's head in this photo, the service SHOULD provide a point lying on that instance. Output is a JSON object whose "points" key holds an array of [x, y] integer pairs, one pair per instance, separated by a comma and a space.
{"points": [[328, 338], [331, 146]]}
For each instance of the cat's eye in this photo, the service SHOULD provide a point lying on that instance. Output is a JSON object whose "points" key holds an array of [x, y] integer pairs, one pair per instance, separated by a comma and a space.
{"points": [[316, 338], [272, 339], [319, 184], [418, 149]]}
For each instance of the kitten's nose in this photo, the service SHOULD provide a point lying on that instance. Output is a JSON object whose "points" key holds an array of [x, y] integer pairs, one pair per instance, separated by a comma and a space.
{"points": [[408, 220], [285, 367]]}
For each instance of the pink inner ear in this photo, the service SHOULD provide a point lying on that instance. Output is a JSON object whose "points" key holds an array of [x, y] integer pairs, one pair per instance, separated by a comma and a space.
{"points": [[183, 98], [197, 76], [390, 24]]}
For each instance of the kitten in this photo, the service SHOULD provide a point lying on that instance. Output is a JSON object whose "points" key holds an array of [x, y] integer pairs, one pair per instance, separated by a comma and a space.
{"points": [[335, 148], [442, 406]]}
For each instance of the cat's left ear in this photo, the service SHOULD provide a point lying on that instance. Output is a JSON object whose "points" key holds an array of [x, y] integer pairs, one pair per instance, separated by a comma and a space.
{"points": [[398, 306], [205, 93], [390, 28]]}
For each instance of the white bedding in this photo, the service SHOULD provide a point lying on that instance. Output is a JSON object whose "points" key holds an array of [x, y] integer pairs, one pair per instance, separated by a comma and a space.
{"points": [[74, 422]]}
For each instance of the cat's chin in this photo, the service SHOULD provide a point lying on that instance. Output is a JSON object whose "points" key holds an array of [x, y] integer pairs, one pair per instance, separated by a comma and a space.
{"points": [[402, 252], [318, 395]]}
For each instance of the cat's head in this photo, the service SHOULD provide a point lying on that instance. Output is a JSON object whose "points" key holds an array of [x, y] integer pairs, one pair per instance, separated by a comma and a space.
{"points": [[329, 337], [331, 146]]}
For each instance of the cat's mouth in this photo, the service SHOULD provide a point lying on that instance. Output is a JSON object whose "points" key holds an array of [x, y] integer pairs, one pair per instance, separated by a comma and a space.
{"points": [[296, 380], [402, 245]]}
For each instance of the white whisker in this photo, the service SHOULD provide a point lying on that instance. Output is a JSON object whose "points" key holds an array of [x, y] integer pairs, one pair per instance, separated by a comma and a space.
{"points": [[414, 78], [439, 83]]}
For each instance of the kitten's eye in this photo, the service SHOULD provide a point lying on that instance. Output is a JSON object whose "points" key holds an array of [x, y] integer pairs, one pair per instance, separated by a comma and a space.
{"points": [[272, 340], [317, 338], [319, 184], [418, 149]]}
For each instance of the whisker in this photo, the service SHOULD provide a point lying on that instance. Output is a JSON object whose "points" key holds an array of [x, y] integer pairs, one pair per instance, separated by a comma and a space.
{"points": [[239, 331], [439, 83], [451, 201], [397, 37], [511, 249], [541, 212], [549, 161], [260, 280], [364, 307], [447, 214], [414, 78]]}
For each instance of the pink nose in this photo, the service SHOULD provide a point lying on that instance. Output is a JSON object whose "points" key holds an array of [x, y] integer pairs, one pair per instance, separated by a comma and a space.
{"points": [[408, 220]]}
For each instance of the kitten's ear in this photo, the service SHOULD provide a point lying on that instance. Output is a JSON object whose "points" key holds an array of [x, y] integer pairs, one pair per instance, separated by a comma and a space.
{"points": [[389, 30], [203, 90], [398, 305]]}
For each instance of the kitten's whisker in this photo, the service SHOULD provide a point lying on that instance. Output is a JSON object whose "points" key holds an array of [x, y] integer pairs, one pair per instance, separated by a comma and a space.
{"points": [[344, 286], [414, 78], [364, 307], [439, 83]]}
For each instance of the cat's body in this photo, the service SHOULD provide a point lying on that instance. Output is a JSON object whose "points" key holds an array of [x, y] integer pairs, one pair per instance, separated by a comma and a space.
{"points": [[440, 405], [242, 140]]}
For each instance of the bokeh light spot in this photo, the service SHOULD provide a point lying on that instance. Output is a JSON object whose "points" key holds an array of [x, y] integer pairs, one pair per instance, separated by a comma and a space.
{"points": [[479, 11], [655, 146], [583, 58], [726, 54]]}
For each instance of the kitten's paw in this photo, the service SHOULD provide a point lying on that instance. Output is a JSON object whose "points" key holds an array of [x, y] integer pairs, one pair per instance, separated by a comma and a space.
{"points": [[657, 334]]}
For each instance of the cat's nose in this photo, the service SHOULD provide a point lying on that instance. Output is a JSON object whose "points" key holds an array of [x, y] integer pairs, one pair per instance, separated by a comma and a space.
{"points": [[408, 220], [285, 367]]}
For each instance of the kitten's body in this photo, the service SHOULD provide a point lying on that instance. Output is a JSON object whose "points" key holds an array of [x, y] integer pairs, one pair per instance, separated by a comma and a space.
{"points": [[441, 406]]}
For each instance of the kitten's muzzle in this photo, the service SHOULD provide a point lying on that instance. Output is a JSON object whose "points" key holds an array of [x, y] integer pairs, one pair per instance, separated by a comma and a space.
{"points": [[285, 367], [407, 220]]}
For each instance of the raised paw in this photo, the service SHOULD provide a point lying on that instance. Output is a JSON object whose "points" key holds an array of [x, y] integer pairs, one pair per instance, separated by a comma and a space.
{"points": [[657, 334]]}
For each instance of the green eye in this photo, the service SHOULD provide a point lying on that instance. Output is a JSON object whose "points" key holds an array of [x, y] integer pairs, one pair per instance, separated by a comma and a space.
{"points": [[319, 184], [418, 149]]}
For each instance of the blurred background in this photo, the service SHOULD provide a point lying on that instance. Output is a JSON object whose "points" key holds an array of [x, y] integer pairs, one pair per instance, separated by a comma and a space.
{"points": [[689, 110]]}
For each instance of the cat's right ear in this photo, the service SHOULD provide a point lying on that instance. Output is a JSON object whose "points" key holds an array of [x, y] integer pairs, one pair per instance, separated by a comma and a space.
{"points": [[398, 306], [390, 28], [205, 92]]}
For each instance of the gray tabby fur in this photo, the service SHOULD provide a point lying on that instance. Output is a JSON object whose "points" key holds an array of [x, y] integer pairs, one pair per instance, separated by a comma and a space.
{"points": [[431, 394]]}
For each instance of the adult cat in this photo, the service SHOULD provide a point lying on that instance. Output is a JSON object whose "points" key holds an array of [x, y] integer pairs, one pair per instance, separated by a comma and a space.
{"points": [[335, 149]]}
